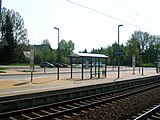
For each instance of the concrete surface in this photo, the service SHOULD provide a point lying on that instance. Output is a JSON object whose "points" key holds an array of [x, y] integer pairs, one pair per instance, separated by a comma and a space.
{"points": [[51, 82]]}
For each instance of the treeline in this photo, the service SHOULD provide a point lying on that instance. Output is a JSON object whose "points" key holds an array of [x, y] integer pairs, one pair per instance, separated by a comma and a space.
{"points": [[139, 43], [44, 52], [14, 41], [13, 37]]}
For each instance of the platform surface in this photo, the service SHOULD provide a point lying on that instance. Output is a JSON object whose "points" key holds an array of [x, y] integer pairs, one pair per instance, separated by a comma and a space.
{"points": [[46, 83]]}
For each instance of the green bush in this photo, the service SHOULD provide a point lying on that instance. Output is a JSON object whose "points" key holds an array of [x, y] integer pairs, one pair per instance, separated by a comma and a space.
{"points": [[149, 65]]}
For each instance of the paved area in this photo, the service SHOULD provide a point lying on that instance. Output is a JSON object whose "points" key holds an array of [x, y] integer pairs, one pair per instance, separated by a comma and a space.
{"points": [[13, 87]]}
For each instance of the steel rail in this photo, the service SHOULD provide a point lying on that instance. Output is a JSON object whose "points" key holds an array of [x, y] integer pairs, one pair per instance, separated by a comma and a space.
{"points": [[148, 113], [94, 103], [76, 99]]}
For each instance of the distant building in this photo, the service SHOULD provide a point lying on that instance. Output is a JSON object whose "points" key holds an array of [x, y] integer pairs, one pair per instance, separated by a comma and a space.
{"points": [[43, 46]]}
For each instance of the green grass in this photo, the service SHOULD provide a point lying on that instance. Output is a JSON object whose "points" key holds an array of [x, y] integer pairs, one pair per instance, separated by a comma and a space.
{"points": [[148, 65], [19, 64], [3, 68]]}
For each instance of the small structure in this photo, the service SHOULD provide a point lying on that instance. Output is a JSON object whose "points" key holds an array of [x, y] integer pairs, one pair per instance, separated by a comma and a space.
{"points": [[90, 56]]}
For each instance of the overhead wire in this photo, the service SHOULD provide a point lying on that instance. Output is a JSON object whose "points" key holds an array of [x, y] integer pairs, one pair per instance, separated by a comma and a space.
{"points": [[102, 13], [137, 14]]}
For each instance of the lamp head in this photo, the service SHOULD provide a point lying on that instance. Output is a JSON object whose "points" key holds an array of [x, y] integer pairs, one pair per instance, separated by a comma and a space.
{"points": [[56, 28], [120, 25]]}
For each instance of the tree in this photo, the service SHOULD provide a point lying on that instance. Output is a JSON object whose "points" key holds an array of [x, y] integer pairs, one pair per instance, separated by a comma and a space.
{"points": [[70, 47], [65, 49], [8, 51], [13, 25], [44, 53], [19, 32], [85, 51], [46, 42], [143, 42], [38, 58]]}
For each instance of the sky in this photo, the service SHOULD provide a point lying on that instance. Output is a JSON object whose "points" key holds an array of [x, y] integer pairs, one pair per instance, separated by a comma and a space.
{"points": [[88, 23]]}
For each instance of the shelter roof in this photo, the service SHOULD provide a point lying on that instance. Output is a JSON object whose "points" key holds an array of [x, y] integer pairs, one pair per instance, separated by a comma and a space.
{"points": [[91, 55]]}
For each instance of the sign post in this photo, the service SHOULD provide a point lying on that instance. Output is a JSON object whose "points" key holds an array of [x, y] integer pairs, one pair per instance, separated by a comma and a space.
{"points": [[32, 61], [142, 54], [119, 53], [133, 62]]}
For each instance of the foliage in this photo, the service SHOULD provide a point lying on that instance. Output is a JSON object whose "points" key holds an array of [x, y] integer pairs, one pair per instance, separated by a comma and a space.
{"points": [[149, 65], [46, 42], [139, 42], [19, 32], [19, 64], [44, 52], [15, 35], [65, 49], [2, 68]]}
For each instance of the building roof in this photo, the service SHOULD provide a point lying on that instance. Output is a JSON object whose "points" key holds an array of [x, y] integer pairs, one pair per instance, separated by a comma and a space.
{"points": [[43, 46], [91, 55]]}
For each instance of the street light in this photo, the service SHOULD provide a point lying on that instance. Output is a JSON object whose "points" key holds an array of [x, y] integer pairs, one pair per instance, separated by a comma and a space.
{"points": [[57, 54], [119, 49], [0, 13]]}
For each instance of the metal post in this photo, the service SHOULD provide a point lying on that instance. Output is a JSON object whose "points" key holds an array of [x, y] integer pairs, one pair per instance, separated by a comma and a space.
{"points": [[31, 76], [57, 55], [32, 61], [119, 49], [105, 67], [112, 62], [95, 68], [91, 69], [142, 64], [71, 65], [0, 11], [139, 66], [98, 67], [118, 66], [82, 68]]}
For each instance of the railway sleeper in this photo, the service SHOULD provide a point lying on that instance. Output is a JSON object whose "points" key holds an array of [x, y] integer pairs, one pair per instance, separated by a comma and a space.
{"points": [[155, 117], [26, 116], [12, 118], [75, 114], [157, 113], [36, 114], [46, 112]]}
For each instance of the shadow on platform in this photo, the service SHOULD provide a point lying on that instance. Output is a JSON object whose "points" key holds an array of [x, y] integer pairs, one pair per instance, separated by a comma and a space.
{"points": [[23, 83]]}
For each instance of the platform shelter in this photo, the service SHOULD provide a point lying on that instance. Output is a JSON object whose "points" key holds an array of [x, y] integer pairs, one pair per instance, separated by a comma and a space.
{"points": [[96, 58]]}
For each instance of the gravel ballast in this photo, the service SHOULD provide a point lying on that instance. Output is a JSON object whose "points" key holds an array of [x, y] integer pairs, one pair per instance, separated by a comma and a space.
{"points": [[121, 109]]}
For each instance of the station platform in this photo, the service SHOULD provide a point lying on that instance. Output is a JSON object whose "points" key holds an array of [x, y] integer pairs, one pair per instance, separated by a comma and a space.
{"points": [[48, 83]]}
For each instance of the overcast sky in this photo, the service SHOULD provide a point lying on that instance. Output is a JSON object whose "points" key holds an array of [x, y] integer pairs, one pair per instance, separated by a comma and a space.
{"points": [[88, 23]]}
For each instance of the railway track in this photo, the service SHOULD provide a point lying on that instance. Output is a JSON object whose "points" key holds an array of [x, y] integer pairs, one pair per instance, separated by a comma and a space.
{"points": [[61, 109], [150, 114]]}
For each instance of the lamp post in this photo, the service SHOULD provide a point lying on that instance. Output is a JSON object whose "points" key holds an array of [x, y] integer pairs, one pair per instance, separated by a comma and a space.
{"points": [[119, 49], [0, 13], [57, 54]]}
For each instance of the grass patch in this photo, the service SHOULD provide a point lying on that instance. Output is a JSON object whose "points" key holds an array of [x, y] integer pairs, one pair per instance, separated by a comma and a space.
{"points": [[3, 68], [148, 65], [19, 64]]}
